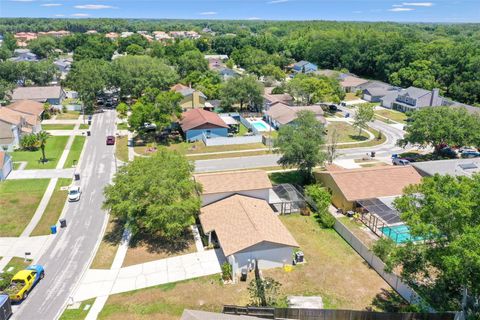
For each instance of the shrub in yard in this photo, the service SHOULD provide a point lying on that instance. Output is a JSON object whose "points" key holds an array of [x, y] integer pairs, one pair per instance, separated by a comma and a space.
{"points": [[264, 292], [383, 247], [5, 279], [29, 142], [322, 199], [327, 220], [226, 271]]}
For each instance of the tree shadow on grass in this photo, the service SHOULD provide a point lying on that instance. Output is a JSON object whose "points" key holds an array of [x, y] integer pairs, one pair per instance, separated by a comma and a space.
{"points": [[114, 235], [356, 137], [156, 243], [389, 301]]}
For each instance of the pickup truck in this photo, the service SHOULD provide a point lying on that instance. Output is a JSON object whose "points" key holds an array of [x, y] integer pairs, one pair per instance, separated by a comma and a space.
{"points": [[24, 281]]}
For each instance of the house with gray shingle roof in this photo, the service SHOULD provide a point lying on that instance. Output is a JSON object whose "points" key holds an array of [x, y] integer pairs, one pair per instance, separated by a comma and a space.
{"points": [[412, 99]]}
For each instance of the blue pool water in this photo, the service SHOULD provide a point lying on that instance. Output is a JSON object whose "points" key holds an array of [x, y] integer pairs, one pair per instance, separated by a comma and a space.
{"points": [[260, 126], [399, 234]]}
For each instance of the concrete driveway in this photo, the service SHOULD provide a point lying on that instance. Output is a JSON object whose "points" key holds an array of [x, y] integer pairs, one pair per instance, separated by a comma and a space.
{"points": [[97, 283]]}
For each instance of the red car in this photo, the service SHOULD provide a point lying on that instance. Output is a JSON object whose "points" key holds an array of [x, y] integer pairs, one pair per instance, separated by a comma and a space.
{"points": [[110, 140]]}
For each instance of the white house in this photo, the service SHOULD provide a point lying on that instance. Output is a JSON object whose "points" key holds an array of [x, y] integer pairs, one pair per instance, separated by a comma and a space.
{"points": [[248, 232], [217, 186]]}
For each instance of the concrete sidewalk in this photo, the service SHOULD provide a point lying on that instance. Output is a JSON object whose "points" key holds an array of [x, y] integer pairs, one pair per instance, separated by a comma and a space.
{"points": [[67, 132], [17, 246], [41, 174], [66, 151], [99, 283]]}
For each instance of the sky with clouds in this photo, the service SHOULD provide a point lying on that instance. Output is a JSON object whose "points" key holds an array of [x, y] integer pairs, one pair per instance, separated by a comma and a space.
{"points": [[356, 10]]}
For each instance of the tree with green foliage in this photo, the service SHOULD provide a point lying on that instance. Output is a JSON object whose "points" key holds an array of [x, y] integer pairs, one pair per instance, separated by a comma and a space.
{"points": [[273, 71], [363, 115], [94, 47], [208, 82], [264, 292], [29, 142], [307, 89], [242, 91], [43, 47], [439, 126], [89, 78], [322, 199], [42, 138], [443, 211], [5, 89], [122, 110], [191, 61], [133, 74], [301, 144], [9, 42], [135, 50], [155, 106], [142, 195], [135, 39], [419, 73]]}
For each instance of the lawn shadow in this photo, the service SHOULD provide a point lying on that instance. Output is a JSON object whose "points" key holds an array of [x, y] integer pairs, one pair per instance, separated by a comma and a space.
{"points": [[114, 236], [157, 243], [389, 301], [356, 137]]}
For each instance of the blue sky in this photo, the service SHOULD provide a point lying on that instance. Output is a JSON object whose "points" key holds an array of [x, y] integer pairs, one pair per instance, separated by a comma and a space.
{"points": [[356, 10]]}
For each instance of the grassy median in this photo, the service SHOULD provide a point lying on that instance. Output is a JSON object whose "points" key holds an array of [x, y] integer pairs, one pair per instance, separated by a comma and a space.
{"points": [[75, 151]]}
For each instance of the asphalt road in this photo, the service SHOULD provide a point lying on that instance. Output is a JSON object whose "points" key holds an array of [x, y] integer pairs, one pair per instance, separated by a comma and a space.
{"points": [[70, 253], [270, 160]]}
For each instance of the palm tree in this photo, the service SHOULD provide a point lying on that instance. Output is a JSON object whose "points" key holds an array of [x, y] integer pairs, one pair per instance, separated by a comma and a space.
{"points": [[42, 138]]}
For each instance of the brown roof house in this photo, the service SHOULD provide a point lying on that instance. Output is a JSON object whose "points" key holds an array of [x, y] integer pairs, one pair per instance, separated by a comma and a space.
{"points": [[280, 114], [198, 124], [270, 98], [351, 83], [18, 118], [217, 186], [249, 232], [51, 94], [192, 98], [350, 186]]}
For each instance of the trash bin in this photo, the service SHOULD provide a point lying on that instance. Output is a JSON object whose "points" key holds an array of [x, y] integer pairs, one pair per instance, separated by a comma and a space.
{"points": [[243, 275], [77, 176], [299, 256], [89, 122], [53, 229], [88, 133], [372, 154], [63, 223]]}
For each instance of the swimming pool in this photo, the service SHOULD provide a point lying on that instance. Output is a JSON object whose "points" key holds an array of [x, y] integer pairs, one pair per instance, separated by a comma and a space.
{"points": [[399, 233], [259, 125]]}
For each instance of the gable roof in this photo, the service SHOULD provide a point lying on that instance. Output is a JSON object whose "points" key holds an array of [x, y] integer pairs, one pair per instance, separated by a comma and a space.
{"points": [[10, 116], [41, 94], [415, 92], [284, 114], [350, 81], [375, 182], [233, 181], [241, 222], [185, 90], [28, 107], [198, 117], [453, 167], [272, 98]]}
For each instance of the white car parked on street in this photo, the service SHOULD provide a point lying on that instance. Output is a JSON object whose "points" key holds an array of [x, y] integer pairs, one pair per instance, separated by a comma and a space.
{"points": [[74, 193]]}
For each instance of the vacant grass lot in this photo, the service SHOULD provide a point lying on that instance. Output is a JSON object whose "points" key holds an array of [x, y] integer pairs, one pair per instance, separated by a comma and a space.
{"points": [[345, 131], [391, 114], [121, 145], [69, 115], [58, 126], [18, 201], [54, 208], [75, 151], [109, 245], [77, 314], [333, 271], [146, 249], [53, 151]]}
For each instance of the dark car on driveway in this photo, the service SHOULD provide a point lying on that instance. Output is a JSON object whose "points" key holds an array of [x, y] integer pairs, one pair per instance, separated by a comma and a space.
{"points": [[110, 140]]}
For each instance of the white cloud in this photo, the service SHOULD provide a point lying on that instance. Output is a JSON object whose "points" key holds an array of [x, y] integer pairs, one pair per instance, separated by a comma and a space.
{"points": [[397, 5], [51, 5], [93, 6], [418, 4], [400, 9], [208, 13], [253, 18], [80, 15], [277, 1], [59, 15]]}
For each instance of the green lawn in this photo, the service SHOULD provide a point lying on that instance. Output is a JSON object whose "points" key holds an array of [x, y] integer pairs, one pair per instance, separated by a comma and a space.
{"points": [[84, 126], [391, 114], [345, 131], [17, 264], [18, 201], [77, 314], [122, 126], [53, 210], [58, 126], [53, 151], [69, 115], [293, 177], [121, 145], [75, 151]]}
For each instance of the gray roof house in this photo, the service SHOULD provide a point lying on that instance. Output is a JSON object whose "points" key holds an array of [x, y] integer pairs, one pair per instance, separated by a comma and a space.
{"points": [[453, 167], [374, 91], [411, 99], [22, 55], [51, 94]]}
